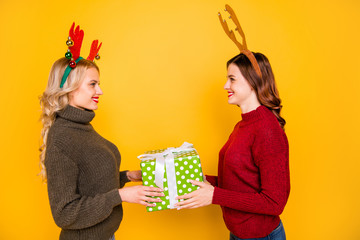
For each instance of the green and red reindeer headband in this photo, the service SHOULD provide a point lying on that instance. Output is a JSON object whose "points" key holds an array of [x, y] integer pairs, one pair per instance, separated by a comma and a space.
{"points": [[74, 43], [242, 46]]}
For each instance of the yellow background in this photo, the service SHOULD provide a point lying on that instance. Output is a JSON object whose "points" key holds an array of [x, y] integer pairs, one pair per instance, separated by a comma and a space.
{"points": [[162, 72]]}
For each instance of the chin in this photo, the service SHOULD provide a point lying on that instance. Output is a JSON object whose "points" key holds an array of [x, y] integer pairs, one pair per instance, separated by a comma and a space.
{"points": [[91, 108]]}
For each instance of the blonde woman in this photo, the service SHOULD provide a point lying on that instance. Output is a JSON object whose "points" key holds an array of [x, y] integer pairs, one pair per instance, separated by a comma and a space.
{"points": [[82, 168]]}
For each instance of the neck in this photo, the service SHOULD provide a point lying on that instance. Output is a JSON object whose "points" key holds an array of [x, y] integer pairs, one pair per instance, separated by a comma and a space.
{"points": [[76, 115], [250, 105], [76, 106]]}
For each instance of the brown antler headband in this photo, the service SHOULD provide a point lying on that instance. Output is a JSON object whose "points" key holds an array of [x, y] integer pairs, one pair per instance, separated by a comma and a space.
{"points": [[242, 46]]}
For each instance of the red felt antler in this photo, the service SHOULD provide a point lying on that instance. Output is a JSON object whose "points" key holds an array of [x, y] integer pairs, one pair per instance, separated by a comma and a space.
{"points": [[77, 37], [74, 43], [94, 50]]}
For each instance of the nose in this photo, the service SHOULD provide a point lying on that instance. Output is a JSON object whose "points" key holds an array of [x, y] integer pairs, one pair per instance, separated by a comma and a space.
{"points": [[227, 85], [99, 91]]}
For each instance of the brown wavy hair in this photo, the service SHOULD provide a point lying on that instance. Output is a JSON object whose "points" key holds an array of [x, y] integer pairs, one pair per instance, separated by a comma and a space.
{"points": [[264, 87]]}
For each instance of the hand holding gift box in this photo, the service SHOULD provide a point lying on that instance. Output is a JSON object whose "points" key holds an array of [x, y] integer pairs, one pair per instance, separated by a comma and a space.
{"points": [[198, 198], [171, 169]]}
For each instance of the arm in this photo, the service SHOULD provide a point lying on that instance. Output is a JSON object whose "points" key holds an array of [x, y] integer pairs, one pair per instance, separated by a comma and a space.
{"points": [[129, 176], [123, 178], [71, 210], [270, 152], [213, 180]]}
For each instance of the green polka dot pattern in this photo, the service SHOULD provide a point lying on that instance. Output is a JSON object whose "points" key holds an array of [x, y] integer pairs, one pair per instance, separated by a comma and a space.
{"points": [[187, 166]]}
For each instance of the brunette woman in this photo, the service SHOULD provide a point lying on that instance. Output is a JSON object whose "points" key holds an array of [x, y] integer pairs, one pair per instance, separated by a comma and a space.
{"points": [[253, 184]]}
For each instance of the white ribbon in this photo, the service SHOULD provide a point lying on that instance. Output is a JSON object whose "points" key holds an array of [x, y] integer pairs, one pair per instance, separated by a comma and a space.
{"points": [[166, 159]]}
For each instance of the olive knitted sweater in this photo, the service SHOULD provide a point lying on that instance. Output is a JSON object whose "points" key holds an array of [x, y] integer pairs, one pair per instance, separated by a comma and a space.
{"points": [[83, 178]]}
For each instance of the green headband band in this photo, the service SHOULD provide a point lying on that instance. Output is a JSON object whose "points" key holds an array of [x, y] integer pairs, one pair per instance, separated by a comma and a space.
{"points": [[67, 72]]}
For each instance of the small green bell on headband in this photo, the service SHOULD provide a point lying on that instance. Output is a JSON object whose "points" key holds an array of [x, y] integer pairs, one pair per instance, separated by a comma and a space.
{"points": [[68, 54]]}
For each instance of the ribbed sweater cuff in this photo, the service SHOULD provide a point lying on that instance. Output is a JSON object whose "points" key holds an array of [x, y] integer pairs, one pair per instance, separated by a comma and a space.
{"points": [[123, 178], [115, 198], [233, 199], [211, 179], [220, 196]]}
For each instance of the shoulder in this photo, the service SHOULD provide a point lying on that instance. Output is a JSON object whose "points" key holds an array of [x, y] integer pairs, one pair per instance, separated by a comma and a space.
{"points": [[268, 122], [270, 140], [268, 129], [59, 148], [58, 133], [63, 137]]}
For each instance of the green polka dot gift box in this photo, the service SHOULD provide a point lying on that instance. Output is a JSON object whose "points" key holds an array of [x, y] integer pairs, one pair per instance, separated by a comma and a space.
{"points": [[171, 169]]}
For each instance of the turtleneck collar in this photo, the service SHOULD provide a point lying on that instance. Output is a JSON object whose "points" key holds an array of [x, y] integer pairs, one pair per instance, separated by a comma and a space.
{"points": [[76, 115], [254, 114]]}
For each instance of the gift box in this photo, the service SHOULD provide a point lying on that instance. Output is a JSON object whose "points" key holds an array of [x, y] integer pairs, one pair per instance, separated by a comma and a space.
{"points": [[171, 169]]}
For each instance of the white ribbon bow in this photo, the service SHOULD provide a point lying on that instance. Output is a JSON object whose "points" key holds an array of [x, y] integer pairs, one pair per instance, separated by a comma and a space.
{"points": [[166, 159]]}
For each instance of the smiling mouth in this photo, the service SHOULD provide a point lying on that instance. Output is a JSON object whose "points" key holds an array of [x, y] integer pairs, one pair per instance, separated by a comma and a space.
{"points": [[230, 94], [95, 99]]}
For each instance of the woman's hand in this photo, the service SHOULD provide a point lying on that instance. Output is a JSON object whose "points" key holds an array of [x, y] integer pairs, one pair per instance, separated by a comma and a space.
{"points": [[198, 198], [134, 176], [141, 194]]}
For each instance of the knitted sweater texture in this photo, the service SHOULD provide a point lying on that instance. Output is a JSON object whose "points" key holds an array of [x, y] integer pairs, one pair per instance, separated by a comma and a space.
{"points": [[253, 183], [83, 178]]}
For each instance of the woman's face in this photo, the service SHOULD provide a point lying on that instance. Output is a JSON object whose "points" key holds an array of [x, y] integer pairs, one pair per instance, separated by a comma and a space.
{"points": [[87, 95], [239, 90]]}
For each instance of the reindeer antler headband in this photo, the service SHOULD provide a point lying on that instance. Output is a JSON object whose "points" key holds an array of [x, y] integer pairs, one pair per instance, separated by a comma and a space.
{"points": [[74, 43], [242, 46]]}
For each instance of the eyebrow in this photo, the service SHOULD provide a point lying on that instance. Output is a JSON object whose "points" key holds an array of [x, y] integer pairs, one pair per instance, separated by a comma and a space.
{"points": [[231, 76]]}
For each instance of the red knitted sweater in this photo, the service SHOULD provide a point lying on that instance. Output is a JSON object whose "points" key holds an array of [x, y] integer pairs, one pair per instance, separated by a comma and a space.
{"points": [[253, 183]]}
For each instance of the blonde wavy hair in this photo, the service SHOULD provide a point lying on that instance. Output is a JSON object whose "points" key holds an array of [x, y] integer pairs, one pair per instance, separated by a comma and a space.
{"points": [[54, 98]]}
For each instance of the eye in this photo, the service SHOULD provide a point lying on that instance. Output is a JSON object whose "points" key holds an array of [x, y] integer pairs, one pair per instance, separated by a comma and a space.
{"points": [[232, 79], [93, 84]]}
